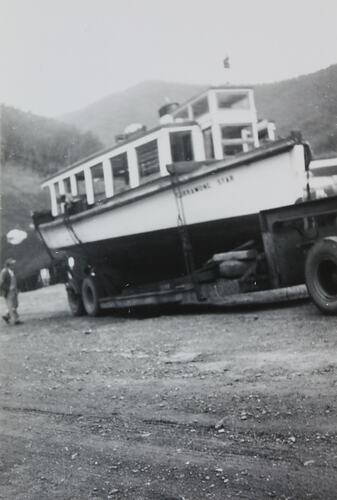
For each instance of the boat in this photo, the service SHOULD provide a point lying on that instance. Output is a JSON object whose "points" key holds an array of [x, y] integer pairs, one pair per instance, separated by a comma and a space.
{"points": [[159, 203]]}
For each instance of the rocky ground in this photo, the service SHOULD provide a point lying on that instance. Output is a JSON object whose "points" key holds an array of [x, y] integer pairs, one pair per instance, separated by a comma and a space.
{"points": [[183, 404]]}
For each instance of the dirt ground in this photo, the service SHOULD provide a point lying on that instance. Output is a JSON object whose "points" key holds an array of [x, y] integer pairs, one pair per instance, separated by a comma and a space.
{"points": [[183, 404]]}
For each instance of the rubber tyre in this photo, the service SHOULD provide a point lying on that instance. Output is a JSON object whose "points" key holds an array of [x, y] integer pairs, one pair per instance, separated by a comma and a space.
{"points": [[321, 274], [75, 302], [90, 296]]}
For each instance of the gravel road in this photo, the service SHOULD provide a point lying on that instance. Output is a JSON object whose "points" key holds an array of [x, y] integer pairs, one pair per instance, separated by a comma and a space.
{"points": [[180, 404]]}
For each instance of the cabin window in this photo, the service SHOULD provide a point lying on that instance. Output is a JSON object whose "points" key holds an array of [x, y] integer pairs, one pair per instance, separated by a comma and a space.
{"points": [[236, 138], [182, 114], [98, 182], [208, 143], [232, 132], [200, 107], [67, 185], [57, 190], [181, 146], [120, 172], [263, 135], [58, 196], [148, 160], [248, 137], [230, 100], [80, 183]]}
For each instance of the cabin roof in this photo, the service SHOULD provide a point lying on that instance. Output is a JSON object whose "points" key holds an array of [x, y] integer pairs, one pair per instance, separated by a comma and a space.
{"points": [[118, 145]]}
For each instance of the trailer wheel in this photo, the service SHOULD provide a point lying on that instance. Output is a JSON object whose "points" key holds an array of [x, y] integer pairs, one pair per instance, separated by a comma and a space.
{"points": [[90, 296], [75, 302], [321, 274]]}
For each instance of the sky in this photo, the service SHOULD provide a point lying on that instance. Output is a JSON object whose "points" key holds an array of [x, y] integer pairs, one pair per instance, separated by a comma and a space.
{"points": [[58, 56]]}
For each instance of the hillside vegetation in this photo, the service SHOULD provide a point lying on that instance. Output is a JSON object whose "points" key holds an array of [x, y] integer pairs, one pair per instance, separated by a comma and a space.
{"points": [[307, 103], [41, 143]]}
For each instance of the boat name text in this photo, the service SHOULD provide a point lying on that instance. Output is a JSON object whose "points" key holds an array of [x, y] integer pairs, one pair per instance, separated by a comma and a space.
{"points": [[206, 185]]}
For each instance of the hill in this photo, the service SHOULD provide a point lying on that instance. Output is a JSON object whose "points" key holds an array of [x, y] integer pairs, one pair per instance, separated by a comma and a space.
{"points": [[308, 103], [139, 104], [44, 144]]}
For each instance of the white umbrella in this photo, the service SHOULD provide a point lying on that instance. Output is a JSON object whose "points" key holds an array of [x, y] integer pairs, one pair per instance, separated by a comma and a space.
{"points": [[16, 236]]}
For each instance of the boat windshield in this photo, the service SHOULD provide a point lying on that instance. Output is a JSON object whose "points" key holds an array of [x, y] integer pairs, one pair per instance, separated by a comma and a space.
{"points": [[182, 114], [230, 100], [200, 107]]}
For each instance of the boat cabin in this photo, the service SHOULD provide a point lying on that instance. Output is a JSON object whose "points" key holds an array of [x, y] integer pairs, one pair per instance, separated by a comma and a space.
{"points": [[219, 122], [228, 120], [127, 165]]}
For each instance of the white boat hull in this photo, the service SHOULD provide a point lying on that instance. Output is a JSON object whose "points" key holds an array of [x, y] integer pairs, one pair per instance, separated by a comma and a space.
{"points": [[227, 192]]}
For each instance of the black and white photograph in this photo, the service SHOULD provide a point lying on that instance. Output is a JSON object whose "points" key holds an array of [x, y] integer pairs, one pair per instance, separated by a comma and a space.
{"points": [[168, 258]]}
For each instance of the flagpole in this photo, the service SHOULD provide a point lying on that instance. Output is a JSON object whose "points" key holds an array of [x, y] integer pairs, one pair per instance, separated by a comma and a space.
{"points": [[227, 66]]}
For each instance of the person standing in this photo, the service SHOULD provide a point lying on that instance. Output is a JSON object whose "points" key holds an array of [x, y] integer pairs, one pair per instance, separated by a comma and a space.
{"points": [[8, 288]]}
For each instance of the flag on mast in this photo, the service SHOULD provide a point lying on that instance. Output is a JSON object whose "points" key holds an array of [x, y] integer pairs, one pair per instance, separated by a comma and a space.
{"points": [[226, 63]]}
